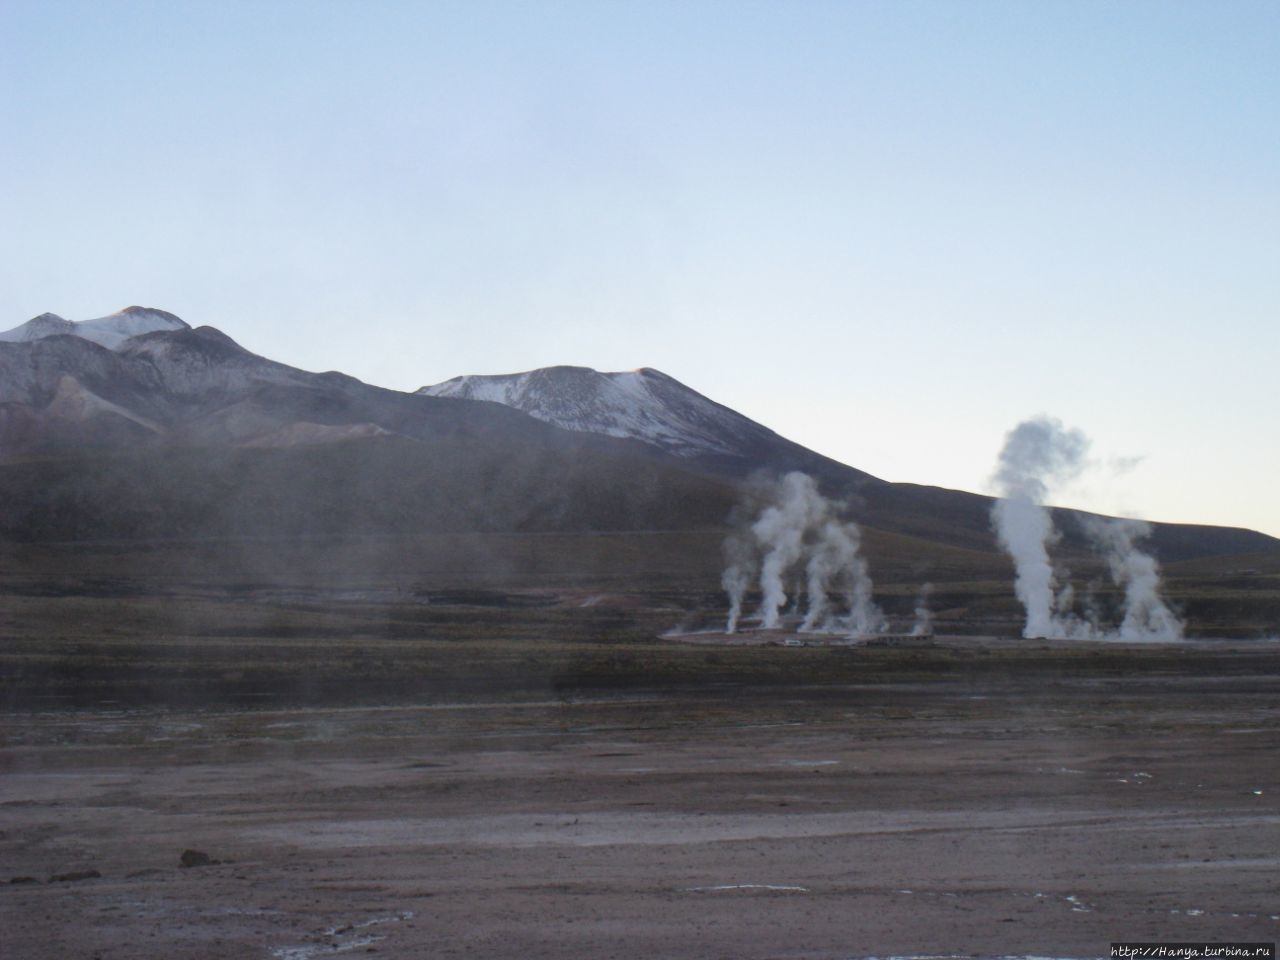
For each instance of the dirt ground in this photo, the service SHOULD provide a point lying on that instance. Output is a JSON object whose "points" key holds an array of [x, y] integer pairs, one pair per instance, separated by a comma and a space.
{"points": [[1001, 815]]}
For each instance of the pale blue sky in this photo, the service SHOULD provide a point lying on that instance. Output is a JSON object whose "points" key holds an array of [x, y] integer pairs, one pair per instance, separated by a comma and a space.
{"points": [[887, 230]]}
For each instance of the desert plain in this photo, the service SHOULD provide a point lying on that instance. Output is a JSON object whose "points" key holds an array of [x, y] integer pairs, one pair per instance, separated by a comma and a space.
{"points": [[508, 755]]}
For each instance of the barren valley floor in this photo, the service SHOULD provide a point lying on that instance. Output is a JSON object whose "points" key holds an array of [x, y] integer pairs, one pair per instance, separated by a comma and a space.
{"points": [[1004, 815], [450, 765]]}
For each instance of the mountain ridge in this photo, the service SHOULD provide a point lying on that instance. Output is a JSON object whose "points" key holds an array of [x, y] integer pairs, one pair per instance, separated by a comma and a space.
{"points": [[656, 409], [110, 331], [643, 404]]}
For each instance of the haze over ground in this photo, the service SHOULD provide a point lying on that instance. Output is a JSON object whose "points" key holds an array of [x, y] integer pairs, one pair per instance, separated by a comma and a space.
{"points": [[889, 232]]}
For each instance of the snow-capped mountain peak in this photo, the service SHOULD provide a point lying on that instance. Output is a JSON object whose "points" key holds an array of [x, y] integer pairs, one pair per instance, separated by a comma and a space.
{"points": [[109, 331], [37, 328], [643, 404]]}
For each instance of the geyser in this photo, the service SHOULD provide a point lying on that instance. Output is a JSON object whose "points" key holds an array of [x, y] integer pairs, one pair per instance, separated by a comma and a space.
{"points": [[923, 626], [1146, 616], [795, 531], [1038, 453]]}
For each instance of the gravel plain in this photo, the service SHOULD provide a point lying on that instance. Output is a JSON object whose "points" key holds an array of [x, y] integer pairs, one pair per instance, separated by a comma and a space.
{"points": [[996, 816]]}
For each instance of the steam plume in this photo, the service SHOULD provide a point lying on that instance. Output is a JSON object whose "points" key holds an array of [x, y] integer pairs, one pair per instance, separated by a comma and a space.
{"points": [[735, 581], [741, 564], [780, 532], [1036, 452], [1146, 616], [923, 626], [797, 532]]}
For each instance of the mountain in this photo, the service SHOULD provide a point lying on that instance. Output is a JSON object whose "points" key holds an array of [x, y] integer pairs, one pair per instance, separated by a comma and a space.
{"points": [[136, 425], [184, 386], [644, 404], [181, 432], [657, 410]]}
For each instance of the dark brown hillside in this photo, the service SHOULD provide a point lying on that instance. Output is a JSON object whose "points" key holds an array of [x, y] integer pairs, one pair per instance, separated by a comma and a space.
{"points": [[388, 485], [964, 519]]}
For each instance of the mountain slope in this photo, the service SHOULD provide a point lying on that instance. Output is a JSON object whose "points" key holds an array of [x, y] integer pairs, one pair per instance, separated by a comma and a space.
{"points": [[382, 486], [653, 408], [642, 404]]}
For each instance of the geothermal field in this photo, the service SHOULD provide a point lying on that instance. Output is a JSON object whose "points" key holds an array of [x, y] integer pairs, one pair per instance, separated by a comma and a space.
{"points": [[786, 531], [551, 746]]}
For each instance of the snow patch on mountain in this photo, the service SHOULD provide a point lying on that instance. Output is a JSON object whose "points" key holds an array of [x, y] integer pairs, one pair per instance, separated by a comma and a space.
{"points": [[110, 331], [37, 328], [642, 404]]}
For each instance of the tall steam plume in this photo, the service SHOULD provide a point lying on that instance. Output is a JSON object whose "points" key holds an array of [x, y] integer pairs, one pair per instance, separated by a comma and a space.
{"points": [[923, 626], [797, 532], [1146, 616], [1036, 454]]}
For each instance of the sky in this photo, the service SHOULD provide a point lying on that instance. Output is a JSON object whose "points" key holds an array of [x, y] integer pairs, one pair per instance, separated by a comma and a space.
{"points": [[890, 231]]}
